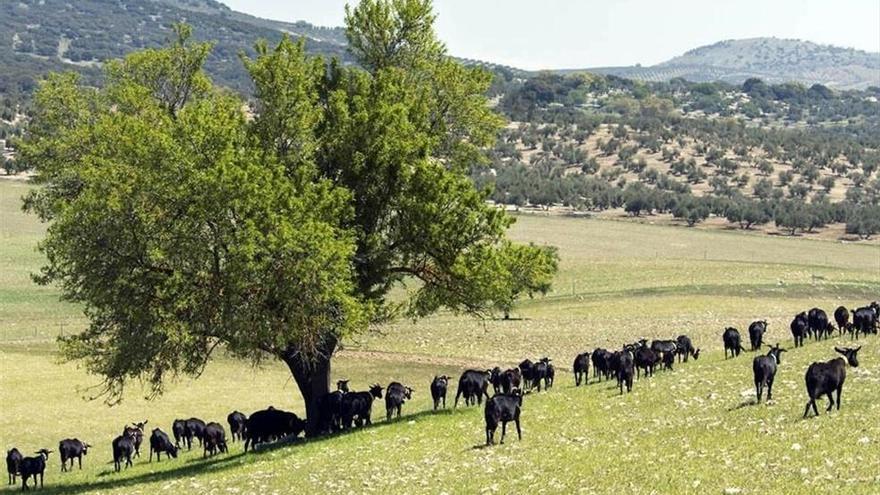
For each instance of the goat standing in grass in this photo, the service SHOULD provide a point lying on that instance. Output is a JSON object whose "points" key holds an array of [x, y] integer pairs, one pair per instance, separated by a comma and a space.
{"points": [[765, 371], [828, 377]]}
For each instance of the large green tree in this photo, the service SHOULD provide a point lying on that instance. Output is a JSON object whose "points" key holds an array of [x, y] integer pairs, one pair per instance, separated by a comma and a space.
{"points": [[183, 223]]}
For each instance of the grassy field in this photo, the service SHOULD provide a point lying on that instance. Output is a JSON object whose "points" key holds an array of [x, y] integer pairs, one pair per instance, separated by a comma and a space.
{"points": [[694, 430]]}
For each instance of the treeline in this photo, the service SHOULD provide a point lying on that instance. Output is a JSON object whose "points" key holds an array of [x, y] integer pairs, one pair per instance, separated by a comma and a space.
{"points": [[522, 185], [526, 99]]}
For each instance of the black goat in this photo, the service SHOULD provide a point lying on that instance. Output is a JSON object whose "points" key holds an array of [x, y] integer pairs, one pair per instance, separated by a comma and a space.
{"points": [[271, 424], [395, 396], [646, 359], [581, 369], [136, 432], [542, 372], [732, 342], [756, 334], [13, 461], [526, 369], [193, 428], [601, 359], [828, 377], [495, 379], [503, 408], [33, 466], [123, 449], [473, 385], [764, 368], [439, 385], [178, 429], [70, 449], [511, 379], [214, 437], [841, 317], [331, 407], [359, 405], [625, 370], [685, 348], [237, 422], [160, 443], [799, 326], [817, 322]]}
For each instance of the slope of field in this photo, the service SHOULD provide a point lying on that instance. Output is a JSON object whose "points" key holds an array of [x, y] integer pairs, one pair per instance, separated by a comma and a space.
{"points": [[675, 433]]}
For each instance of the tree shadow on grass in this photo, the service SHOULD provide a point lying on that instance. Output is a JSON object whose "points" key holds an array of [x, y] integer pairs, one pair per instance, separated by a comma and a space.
{"points": [[108, 479], [745, 403]]}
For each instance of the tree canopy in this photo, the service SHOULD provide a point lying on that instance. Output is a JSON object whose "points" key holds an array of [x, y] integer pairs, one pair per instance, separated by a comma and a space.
{"points": [[183, 223]]}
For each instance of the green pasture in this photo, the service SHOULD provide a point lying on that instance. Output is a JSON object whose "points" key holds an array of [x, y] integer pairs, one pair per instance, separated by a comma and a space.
{"points": [[692, 430]]}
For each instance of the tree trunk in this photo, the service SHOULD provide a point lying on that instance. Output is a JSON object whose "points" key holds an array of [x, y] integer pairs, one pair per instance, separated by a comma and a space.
{"points": [[312, 376]]}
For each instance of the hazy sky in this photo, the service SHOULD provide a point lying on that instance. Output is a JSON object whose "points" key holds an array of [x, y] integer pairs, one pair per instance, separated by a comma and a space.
{"points": [[544, 34]]}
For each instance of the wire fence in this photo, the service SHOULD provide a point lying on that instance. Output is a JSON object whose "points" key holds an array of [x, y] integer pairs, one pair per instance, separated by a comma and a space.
{"points": [[41, 330]]}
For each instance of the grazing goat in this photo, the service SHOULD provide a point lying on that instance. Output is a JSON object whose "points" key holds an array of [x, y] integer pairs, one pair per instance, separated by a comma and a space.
{"points": [[271, 424], [828, 377], [764, 368], [33, 466], [685, 348], [503, 408], [193, 428], [214, 439], [70, 449], [581, 369], [732, 342], [160, 443], [13, 461], [395, 396], [439, 385]]}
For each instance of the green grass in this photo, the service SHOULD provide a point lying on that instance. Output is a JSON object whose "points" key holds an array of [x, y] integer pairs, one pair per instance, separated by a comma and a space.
{"points": [[694, 430]]}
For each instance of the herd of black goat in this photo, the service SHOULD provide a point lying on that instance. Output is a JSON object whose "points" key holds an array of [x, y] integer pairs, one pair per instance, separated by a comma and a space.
{"points": [[343, 409]]}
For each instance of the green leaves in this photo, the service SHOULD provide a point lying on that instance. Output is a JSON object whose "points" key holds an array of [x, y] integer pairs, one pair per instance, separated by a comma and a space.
{"points": [[392, 33], [183, 234], [181, 223]]}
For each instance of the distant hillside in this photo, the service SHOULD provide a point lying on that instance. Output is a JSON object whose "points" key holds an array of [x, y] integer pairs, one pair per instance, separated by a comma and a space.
{"points": [[771, 59], [37, 36]]}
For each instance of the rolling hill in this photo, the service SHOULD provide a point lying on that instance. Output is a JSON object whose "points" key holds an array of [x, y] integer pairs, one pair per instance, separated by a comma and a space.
{"points": [[771, 59], [44, 35]]}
